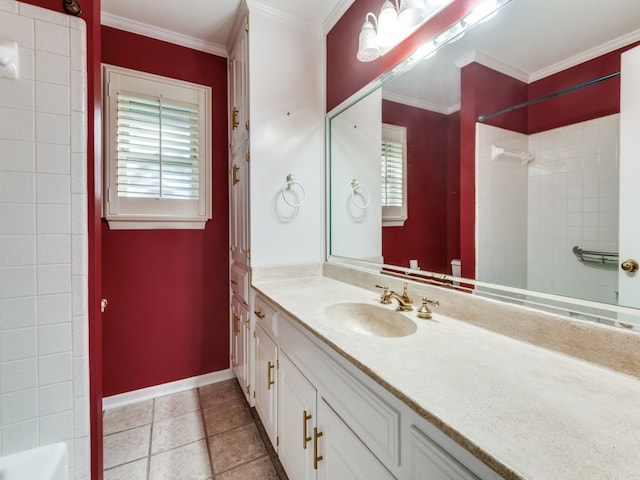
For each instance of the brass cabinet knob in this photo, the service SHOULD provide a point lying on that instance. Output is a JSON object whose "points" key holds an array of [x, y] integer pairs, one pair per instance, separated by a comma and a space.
{"points": [[630, 266]]}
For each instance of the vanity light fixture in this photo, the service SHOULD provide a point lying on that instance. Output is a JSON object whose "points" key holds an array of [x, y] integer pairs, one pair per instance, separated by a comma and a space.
{"points": [[396, 20]]}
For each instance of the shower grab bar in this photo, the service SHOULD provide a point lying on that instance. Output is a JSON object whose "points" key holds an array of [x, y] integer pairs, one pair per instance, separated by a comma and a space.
{"points": [[596, 257]]}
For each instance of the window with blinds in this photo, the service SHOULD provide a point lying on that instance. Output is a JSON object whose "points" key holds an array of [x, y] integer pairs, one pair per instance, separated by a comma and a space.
{"points": [[157, 151], [158, 148], [393, 175]]}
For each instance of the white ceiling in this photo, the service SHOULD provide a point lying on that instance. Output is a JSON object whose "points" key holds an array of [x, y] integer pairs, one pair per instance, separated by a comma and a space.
{"points": [[206, 24]]}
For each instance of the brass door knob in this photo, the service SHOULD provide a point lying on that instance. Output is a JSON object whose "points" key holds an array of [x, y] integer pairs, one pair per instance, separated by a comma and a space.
{"points": [[630, 266]]}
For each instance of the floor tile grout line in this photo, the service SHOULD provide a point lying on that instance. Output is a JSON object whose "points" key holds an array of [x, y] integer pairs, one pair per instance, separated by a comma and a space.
{"points": [[153, 418], [206, 436]]}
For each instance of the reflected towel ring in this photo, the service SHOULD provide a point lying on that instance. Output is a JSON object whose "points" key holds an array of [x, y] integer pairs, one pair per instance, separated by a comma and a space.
{"points": [[291, 181], [356, 188]]}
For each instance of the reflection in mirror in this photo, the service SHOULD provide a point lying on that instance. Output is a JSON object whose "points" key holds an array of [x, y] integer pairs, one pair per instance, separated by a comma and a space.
{"points": [[514, 193]]}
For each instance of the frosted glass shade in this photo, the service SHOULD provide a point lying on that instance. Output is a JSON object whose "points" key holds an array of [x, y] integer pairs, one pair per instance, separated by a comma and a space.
{"points": [[387, 25], [412, 12], [368, 49]]}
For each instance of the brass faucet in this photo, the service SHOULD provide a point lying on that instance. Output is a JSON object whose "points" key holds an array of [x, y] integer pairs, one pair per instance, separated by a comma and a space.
{"points": [[405, 304]]}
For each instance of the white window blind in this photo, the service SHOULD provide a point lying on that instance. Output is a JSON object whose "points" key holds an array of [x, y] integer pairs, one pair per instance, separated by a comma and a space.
{"points": [[393, 174], [158, 148], [157, 151]]}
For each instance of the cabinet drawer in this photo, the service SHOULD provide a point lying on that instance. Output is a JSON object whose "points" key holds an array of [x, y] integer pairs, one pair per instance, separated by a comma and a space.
{"points": [[240, 283], [266, 316]]}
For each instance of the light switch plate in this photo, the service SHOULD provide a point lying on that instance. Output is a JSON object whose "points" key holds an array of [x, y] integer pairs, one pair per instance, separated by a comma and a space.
{"points": [[9, 67]]}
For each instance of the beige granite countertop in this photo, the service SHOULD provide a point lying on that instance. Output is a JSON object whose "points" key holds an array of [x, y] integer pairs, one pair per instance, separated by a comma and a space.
{"points": [[525, 411]]}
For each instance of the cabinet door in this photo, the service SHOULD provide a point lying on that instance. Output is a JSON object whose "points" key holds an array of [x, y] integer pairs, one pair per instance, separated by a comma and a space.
{"points": [[266, 393], [296, 419], [430, 462], [240, 342], [238, 91], [239, 206], [344, 456]]}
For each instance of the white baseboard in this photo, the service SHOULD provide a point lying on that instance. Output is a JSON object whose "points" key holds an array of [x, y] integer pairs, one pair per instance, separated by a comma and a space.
{"points": [[166, 389]]}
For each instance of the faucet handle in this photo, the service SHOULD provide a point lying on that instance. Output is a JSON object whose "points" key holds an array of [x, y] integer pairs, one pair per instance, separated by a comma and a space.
{"points": [[384, 298], [424, 311]]}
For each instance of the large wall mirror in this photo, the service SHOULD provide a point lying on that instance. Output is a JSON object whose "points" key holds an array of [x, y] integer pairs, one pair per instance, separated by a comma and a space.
{"points": [[526, 107]]}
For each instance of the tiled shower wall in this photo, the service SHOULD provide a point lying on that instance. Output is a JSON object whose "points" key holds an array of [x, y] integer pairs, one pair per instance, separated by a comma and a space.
{"points": [[567, 196], [43, 236], [573, 201]]}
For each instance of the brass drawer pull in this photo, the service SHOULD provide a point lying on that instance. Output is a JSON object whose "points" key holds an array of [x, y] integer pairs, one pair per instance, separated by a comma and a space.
{"points": [[259, 314], [236, 329], [235, 174], [305, 438], [316, 457], [234, 282], [270, 366]]}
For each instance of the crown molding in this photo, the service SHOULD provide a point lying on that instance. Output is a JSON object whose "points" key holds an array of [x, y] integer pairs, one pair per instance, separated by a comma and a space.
{"points": [[492, 63], [287, 18], [587, 55], [335, 15], [147, 30], [413, 102]]}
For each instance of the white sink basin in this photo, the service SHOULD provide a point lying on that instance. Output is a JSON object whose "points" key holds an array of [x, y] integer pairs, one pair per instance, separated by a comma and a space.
{"points": [[370, 320]]}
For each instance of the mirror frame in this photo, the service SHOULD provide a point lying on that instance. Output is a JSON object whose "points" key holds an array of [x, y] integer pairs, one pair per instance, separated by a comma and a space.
{"points": [[564, 306]]}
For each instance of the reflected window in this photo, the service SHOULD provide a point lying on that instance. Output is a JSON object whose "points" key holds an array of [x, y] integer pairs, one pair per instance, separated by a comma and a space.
{"points": [[393, 168]]}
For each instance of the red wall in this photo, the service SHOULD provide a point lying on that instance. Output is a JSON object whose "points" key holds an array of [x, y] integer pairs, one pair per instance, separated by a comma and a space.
{"points": [[422, 236], [168, 290], [346, 75]]}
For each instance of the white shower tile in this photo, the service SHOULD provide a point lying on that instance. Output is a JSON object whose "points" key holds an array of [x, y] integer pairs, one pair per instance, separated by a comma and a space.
{"points": [[78, 91], [79, 295], [78, 132], [80, 377], [55, 368], [53, 219], [79, 173], [52, 98], [17, 93], [27, 63], [78, 49], [52, 68], [55, 398], [18, 375], [18, 344], [43, 14], [54, 279], [17, 312], [80, 326], [81, 416], [79, 255], [19, 436], [54, 249], [9, 6], [52, 128], [17, 156], [52, 38], [54, 338], [54, 309], [17, 29], [56, 427], [82, 457], [19, 406], [17, 281], [16, 250], [53, 158], [53, 189], [79, 214], [17, 187], [16, 124]]}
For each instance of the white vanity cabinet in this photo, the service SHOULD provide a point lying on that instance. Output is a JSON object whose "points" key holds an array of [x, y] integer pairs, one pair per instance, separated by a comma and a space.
{"points": [[239, 87], [334, 422], [266, 387], [240, 328]]}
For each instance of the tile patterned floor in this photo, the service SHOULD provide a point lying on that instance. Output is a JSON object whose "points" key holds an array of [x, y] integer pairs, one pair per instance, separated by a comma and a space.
{"points": [[208, 433]]}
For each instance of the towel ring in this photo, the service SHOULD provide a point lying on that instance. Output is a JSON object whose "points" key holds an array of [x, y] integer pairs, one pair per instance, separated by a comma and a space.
{"points": [[364, 193], [291, 181]]}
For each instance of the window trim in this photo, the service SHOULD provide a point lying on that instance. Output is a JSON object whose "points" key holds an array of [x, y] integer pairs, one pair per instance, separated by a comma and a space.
{"points": [[396, 216], [135, 213]]}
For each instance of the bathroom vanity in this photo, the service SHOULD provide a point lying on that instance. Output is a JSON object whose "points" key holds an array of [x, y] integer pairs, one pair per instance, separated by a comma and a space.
{"points": [[450, 400]]}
